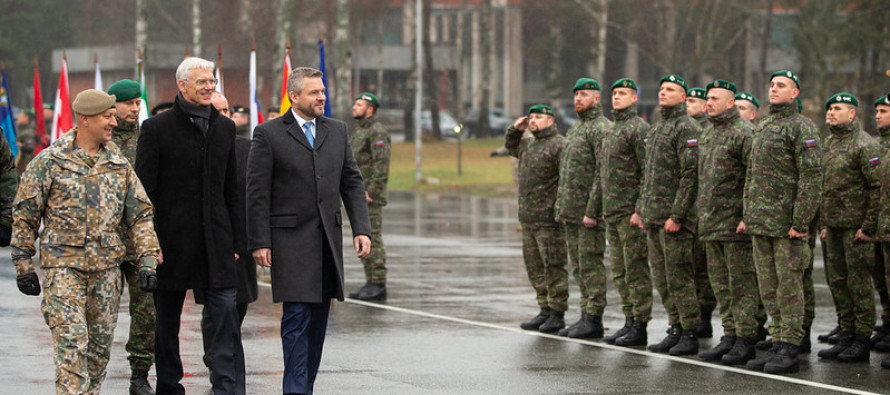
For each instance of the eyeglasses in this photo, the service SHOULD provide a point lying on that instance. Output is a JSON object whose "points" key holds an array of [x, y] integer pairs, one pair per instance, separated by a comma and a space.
{"points": [[212, 83]]}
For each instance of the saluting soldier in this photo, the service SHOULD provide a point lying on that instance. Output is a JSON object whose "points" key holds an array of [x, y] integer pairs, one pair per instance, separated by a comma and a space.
{"points": [[82, 188], [579, 208], [543, 239], [747, 105], [372, 147]]}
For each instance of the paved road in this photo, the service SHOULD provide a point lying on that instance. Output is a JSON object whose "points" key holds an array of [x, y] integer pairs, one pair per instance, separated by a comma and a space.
{"points": [[457, 292]]}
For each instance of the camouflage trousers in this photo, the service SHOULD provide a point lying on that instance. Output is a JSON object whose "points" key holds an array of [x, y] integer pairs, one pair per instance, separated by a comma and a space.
{"points": [[809, 290], [141, 343], [734, 281], [780, 264], [544, 252], [80, 309], [375, 263], [630, 268], [586, 247], [879, 278], [670, 255], [848, 271], [704, 293]]}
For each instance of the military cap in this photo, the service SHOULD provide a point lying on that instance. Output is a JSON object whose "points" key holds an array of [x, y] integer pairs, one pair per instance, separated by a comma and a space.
{"points": [[586, 84], [883, 100], [788, 74], [92, 102], [842, 97], [625, 83], [125, 90], [749, 97], [697, 93], [49, 106], [723, 84], [31, 112], [240, 109], [675, 79], [370, 98], [160, 107], [540, 109]]}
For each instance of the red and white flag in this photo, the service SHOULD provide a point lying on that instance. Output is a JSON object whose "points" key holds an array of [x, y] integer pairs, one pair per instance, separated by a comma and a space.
{"points": [[62, 119]]}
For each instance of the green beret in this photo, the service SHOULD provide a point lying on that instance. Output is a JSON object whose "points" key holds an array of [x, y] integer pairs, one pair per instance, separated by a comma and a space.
{"points": [[697, 93], [749, 97], [786, 73], [586, 84], [842, 97], [30, 112], [370, 98], [125, 90], [49, 106], [883, 100], [540, 109], [625, 83], [92, 102], [240, 109], [723, 84], [675, 79]]}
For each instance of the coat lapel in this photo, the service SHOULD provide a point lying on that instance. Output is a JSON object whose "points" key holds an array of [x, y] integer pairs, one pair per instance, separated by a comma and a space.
{"points": [[293, 128], [321, 131]]}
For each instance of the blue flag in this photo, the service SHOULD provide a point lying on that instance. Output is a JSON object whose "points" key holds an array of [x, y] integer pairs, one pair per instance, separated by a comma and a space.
{"points": [[324, 79], [6, 121]]}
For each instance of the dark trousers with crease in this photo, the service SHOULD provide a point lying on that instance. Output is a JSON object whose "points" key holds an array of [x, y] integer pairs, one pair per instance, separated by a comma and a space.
{"points": [[303, 327]]}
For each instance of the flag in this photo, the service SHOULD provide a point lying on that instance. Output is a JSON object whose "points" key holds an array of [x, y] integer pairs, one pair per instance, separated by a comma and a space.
{"points": [[39, 124], [219, 75], [6, 121], [98, 82], [143, 109], [62, 120], [285, 102], [324, 78], [256, 114]]}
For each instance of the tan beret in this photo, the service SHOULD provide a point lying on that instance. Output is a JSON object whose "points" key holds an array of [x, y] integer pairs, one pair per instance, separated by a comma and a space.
{"points": [[92, 102]]}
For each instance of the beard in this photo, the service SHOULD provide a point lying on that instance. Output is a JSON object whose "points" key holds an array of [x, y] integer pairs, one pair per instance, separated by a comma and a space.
{"points": [[309, 109]]}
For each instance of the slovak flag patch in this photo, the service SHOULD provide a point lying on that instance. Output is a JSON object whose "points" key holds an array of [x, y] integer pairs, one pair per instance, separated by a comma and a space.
{"points": [[379, 143], [874, 161], [645, 141], [692, 143], [810, 143]]}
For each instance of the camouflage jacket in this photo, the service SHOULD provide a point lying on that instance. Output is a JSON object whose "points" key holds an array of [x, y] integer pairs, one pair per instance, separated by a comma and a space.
{"points": [[578, 171], [9, 181], [784, 179], [622, 161], [371, 147], [125, 135], [539, 158], [883, 217], [670, 179], [884, 137], [81, 207], [25, 136], [722, 162], [851, 182], [702, 120]]}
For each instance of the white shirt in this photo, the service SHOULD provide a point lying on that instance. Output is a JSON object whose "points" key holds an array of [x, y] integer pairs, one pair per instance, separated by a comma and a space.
{"points": [[301, 121]]}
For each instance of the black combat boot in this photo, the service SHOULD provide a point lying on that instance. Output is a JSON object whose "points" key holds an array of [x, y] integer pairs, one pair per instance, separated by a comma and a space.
{"points": [[628, 322], [880, 334], [823, 338], [635, 337], [764, 344], [536, 321], [373, 291], [725, 345], [885, 363], [758, 364], [846, 340], [554, 323], [785, 361], [857, 352], [354, 295], [881, 340], [671, 340], [805, 344], [704, 328], [742, 352], [688, 344], [139, 383], [883, 345], [590, 328], [565, 331]]}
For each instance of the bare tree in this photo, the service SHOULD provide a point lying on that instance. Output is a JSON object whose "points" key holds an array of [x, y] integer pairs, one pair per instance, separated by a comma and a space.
{"points": [[485, 31], [429, 72]]}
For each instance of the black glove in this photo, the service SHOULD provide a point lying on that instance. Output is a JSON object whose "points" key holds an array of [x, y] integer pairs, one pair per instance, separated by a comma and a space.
{"points": [[148, 280], [5, 235], [28, 284]]}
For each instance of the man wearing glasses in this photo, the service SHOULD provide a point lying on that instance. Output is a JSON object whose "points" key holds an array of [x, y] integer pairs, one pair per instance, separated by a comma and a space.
{"points": [[185, 158]]}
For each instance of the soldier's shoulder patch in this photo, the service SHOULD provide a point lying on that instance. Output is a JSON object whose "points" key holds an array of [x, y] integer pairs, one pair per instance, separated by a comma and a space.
{"points": [[874, 161], [692, 143], [379, 143], [810, 143], [645, 141]]}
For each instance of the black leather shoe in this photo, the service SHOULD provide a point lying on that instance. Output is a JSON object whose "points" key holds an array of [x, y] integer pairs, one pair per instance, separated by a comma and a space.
{"points": [[554, 323], [725, 345], [846, 340], [785, 361], [688, 344], [671, 340], [742, 351], [635, 337], [591, 327], [758, 363], [628, 322], [373, 292], [857, 352], [536, 321], [823, 338]]}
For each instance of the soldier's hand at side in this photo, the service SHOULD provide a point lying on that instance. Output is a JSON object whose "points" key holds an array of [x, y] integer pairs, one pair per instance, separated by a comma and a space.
{"points": [[636, 220], [861, 236], [589, 222], [796, 235], [160, 257], [741, 228], [521, 123], [148, 280], [368, 198], [263, 257], [822, 234], [670, 226], [362, 246], [5, 235], [28, 284]]}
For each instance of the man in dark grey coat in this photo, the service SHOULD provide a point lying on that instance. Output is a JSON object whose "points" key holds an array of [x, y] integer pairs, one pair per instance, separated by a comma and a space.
{"points": [[300, 167]]}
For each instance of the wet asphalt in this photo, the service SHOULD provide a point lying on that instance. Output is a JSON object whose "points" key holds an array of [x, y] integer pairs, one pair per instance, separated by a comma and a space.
{"points": [[457, 293]]}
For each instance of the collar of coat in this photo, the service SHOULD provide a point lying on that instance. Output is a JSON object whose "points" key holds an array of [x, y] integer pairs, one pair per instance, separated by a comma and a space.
{"points": [[783, 110], [595, 111], [844, 129], [625, 113], [550, 131], [673, 112], [726, 117]]}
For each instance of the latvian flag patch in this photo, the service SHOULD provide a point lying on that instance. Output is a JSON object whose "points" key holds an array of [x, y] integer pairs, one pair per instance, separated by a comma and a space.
{"points": [[810, 143], [692, 143], [874, 161]]}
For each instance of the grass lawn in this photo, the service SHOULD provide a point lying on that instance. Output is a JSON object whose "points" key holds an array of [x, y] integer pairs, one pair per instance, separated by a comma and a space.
{"points": [[482, 175]]}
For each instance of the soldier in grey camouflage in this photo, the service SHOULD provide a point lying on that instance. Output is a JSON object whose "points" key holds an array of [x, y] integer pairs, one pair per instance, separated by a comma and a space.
{"points": [[850, 196], [371, 147], [882, 232], [579, 208], [782, 190], [82, 188], [667, 209], [623, 159], [141, 342], [543, 239]]}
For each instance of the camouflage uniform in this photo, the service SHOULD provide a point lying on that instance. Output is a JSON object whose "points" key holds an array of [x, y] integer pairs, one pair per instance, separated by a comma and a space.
{"points": [[543, 239], [141, 342], [576, 199], [623, 159], [722, 162], [24, 136], [81, 200], [371, 146], [669, 189], [782, 190], [9, 181], [851, 183], [880, 272], [707, 301]]}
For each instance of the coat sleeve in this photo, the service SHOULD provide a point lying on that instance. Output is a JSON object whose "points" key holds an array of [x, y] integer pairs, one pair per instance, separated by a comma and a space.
{"points": [[233, 198], [808, 156], [352, 191], [513, 140], [636, 140], [148, 159], [381, 147], [28, 208], [869, 162], [138, 216], [687, 154], [9, 181], [260, 164]]}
